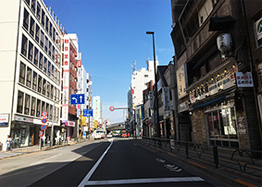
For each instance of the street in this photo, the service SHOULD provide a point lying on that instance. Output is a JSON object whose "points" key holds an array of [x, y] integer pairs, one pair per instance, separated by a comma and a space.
{"points": [[115, 161]]}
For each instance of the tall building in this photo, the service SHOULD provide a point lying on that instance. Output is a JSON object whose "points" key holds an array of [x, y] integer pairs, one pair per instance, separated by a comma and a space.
{"points": [[215, 71], [31, 75], [138, 83], [97, 111]]}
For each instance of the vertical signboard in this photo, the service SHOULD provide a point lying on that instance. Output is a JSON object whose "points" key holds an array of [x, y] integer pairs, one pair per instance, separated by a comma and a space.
{"points": [[66, 67], [166, 98], [181, 81], [151, 100]]}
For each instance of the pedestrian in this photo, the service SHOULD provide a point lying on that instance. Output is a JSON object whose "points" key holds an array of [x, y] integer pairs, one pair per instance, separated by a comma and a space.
{"points": [[9, 142]]}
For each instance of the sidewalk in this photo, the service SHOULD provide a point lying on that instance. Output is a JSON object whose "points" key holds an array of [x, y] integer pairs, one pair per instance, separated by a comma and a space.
{"points": [[228, 170], [30, 149]]}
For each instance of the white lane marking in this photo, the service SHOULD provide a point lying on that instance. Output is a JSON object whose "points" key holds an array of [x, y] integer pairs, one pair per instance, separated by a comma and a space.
{"points": [[139, 181], [41, 161], [90, 173]]}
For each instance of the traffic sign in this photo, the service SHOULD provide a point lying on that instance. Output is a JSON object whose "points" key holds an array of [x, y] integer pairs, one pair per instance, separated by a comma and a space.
{"points": [[88, 112], [43, 127], [44, 121], [77, 99], [111, 108], [44, 113]]}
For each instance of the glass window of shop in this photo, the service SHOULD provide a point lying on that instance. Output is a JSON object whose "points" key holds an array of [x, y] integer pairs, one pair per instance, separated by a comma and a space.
{"points": [[221, 124]]}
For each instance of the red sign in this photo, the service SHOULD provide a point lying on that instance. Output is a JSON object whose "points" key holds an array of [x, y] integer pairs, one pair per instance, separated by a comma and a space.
{"points": [[44, 121], [43, 127], [44, 113], [79, 63], [111, 108]]}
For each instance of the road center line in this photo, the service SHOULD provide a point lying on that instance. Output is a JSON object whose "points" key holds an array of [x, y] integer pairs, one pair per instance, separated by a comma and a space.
{"points": [[149, 180], [41, 161], [90, 173]]}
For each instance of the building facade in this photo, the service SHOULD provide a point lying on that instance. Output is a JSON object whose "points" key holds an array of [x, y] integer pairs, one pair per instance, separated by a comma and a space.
{"points": [[30, 83], [216, 97]]}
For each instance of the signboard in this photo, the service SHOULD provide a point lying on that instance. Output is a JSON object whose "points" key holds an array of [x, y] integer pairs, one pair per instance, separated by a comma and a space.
{"points": [[223, 80], [25, 119], [88, 112], [77, 99], [244, 79], [4, 120], [66, 67], [71, 124], [166, 98], [183, 107], [258, 28], [111, 108], [44, 121], [151, 100], [43, 127], [44, 114], [181, 81]]}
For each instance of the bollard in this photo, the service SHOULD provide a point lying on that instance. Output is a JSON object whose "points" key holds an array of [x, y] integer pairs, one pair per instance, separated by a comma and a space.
{"points": [[215, 153]]}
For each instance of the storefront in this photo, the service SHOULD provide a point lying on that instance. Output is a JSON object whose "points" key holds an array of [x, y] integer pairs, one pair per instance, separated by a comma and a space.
{"points": [[221, 124]]}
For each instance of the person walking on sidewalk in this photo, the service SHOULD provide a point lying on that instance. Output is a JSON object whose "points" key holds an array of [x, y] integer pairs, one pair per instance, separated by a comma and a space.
{"points": [[9, 142]]}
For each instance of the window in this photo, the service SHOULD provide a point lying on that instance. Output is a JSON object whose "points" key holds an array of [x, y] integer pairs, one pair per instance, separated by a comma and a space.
{"points": [[32, 26], [54, 34], [33, 3], [40, 65], [34, 80], [50, 29], [47, 89], [33, 105], [24, 46], [22, 73], [37, 33], [38, 107], [45, 65], [44, 87], [46, 23], [47, 110], [20, 101], [43, 106], [49, 48], [53, 52], [43, 18], [38, 11], [52, 72], [46, 43], [26, 19], [30, 51], [51, 112], [145, 75], [42, 39], [27, 104], [39, 84], [36, 56], [52, 92], [28, 77], [49, 68]]}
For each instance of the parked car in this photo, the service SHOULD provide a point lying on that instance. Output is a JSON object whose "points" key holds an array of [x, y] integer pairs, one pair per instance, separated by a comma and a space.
{"points": [[109, 135], [99, 135]]}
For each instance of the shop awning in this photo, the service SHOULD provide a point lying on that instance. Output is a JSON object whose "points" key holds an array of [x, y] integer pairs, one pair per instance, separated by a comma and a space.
{"points": [[209, 102]]}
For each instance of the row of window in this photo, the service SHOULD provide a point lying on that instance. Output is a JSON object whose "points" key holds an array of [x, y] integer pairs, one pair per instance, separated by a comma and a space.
{"points": [[41, 38], [32, 106], [42, 17], [39, 60], [34, 81]]}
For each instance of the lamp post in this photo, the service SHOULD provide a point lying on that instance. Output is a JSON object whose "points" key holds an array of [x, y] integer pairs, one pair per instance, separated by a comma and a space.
{"points": [[155, 88]]}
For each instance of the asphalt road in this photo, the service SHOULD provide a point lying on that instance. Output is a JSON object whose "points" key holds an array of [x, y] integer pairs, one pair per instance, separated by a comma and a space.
{"points": [[115, 162]]}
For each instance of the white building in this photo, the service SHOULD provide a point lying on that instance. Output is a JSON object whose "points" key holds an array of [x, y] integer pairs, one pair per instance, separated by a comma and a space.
{"points": [[30, 69], [97, 111], [139, 82]]}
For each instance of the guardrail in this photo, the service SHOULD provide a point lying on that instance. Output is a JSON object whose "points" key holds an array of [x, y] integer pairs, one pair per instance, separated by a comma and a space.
{"points": [[244, 160]]}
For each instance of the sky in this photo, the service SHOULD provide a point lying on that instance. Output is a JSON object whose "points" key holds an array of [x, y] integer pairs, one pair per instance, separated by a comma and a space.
{"points": [[111, 36]]}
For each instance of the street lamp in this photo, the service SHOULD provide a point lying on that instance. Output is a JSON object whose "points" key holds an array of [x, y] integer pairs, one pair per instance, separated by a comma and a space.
{"points": [[155, 88]]}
